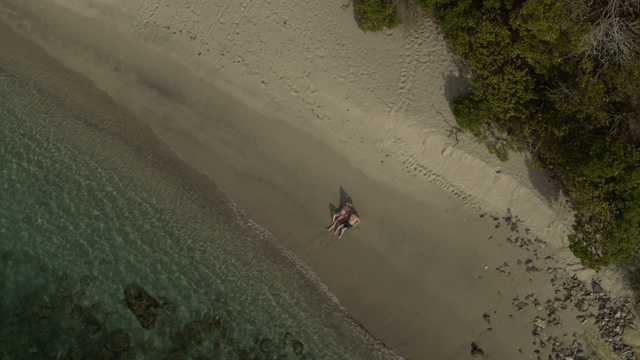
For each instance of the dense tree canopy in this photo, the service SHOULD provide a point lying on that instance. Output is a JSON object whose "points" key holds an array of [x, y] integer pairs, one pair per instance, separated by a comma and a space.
{"points": [[560, 79], [375, 15]]}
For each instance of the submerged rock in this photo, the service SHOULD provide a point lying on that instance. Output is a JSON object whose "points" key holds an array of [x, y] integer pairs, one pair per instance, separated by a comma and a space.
{"points": [[143, 306], [178, 354], [92, 326], [76, 312], [287, 338], [85, 280], [266, 345], [227, 339], [115, 345], [193, 334], [298, 347], [212, 322]]}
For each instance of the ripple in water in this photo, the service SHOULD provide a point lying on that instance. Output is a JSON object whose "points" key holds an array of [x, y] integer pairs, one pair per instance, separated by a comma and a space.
{"points": [[113, 248]]}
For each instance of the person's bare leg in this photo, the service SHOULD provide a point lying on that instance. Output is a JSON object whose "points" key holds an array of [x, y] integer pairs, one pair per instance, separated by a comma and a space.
{"points": [[338, 229], [334, 221], [342, 232]]}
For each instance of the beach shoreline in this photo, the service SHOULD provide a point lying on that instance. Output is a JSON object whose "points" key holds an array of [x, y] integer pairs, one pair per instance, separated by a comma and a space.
{"points": [[426, 263], [101, 129]]}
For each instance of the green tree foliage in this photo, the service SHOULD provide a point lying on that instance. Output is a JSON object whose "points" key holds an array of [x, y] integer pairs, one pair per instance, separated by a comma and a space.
{"points": [[532, 87], [507, 49], [375, 15]]}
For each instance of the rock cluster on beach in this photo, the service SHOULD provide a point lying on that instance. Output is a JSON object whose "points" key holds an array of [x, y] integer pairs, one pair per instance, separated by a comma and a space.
{"points": [[575, 304], [609, 315]]}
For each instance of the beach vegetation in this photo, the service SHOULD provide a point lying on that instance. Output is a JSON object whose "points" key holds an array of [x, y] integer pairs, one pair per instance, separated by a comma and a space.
{"points": [[375, 15], [559, 79]]}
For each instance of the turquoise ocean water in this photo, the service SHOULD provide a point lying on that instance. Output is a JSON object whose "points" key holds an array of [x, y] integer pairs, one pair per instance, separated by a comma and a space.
{"points": [[91, 204]]}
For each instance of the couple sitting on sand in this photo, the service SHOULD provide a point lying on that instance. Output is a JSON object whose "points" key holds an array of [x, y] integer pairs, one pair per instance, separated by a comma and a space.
{"points": [[351, 220]]}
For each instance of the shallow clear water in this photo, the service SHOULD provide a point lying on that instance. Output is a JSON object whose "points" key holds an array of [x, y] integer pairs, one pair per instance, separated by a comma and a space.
{"points": [[90, 204]]}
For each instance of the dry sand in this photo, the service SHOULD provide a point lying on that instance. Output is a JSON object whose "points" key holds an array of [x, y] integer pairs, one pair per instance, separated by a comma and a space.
{"points": [[286, 104]]}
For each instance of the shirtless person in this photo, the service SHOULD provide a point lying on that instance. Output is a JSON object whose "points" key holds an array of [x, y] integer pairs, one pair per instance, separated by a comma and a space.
{"points": [[351, 222], [341, 214]]}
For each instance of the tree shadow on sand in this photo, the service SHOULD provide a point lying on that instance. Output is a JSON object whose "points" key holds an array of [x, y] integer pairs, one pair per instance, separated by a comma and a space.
{"points": [[630, 271], [456, 84], [543, 181]]}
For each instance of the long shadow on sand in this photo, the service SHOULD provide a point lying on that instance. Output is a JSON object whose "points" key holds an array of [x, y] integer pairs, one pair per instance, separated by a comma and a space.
{"points": [[344, 198], [456, 82], [543, 181]]}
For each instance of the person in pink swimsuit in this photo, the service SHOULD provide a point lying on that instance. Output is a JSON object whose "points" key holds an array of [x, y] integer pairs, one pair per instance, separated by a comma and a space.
{"points": [[341, 214]]}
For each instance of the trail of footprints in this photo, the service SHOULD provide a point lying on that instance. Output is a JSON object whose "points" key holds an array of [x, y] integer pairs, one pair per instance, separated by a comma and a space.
{"points": [[411, 165], [412, 60]]}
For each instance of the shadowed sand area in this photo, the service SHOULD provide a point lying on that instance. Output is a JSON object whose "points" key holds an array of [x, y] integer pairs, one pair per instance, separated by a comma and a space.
{"points": [[427, 262]]}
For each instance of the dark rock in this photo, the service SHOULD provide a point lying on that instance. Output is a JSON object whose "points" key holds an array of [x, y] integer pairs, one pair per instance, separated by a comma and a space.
{"points": [[266, 345], [95, 309], [76, 312], [287, 338], [66, 301], [176, 336], [143, 306], [595, 286], [228, 340], [486, 318], [92, 326], [168, 308], [193, 334], [43, 312], [115, 345], [85, 280], [212, 322], [244, 355], [149, 344], [178, 354], [297, 346], [121, 341], [475, 350], [582, 305]]}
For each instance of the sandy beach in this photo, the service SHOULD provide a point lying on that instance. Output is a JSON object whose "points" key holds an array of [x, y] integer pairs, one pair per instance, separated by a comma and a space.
{"points": [[292, 109]]}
